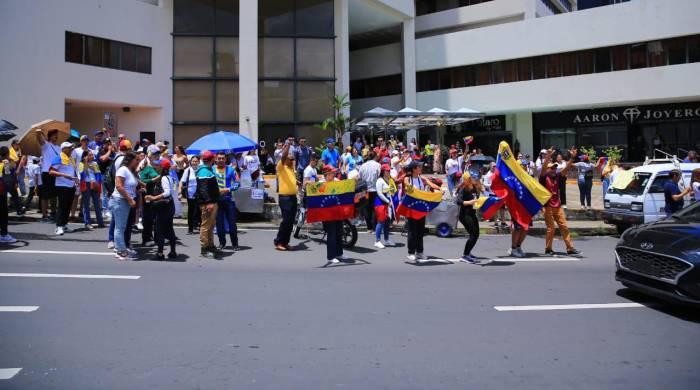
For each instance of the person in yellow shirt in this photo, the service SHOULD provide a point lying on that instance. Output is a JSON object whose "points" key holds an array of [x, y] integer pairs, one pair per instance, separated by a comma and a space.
{"points": [[287, 190]]}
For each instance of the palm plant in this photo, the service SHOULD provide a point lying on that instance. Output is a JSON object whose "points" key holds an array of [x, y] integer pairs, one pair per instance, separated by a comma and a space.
{"points": [[339, 123]]}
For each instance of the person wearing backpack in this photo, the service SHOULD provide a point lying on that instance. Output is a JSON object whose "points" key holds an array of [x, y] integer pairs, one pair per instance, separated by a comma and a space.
{"points": [[109, 182], [162, 204]]}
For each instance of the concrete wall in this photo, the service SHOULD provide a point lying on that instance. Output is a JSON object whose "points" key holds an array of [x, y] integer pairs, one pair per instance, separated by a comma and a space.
{"points": [[635, 21], [35, 79], [376, 61], [360, 106], [463, 17], [88, 119]]}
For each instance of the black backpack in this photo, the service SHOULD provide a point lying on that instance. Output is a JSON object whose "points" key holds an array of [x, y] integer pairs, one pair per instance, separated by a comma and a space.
{"points": [[109, 177]]}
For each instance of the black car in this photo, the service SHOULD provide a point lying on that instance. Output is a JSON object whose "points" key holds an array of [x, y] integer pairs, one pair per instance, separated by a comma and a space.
{"points": [[663, 258]]}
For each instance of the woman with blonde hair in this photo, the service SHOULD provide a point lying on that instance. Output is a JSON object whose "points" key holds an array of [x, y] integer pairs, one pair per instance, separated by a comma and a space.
{"points": [[467, 193]]}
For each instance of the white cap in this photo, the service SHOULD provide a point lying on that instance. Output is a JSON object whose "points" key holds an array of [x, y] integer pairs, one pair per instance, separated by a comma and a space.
{"points": [[66, 145]]}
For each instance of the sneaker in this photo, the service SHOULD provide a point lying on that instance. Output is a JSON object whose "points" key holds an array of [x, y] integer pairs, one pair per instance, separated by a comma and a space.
{"points": [[334, 261], [548, 252], [110, 245], [121, 255], [131, 252], [7, 239], [468, 259], [343, 258], [139, 226], [221, 247], [172, 255], [389, 243], [564, 207], [59, 231], [207, 254], [421, 256], [573, 252], [379, 245], [159, 256], [517, 252], [88, 227], [67, 229], [411, 257], [45, 220]]}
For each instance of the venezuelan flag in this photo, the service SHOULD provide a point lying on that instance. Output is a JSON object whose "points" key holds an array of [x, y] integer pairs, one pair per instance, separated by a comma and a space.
{"points": [[330, 201], [603, 164], [524, 196], [488, 205], [416, 203], [468, 139]]}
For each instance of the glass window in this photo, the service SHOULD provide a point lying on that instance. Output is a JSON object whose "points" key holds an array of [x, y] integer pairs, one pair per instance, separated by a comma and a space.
{"points": [[185, 135], [619, 58], [227, 100], [93, 51], [276, 57], [192, 100], [74, 47], [429, 80], [694, 48], [143, 59], [115, 53], [510, 71], [444, 78], [275, 17], [497, 72], [657, 186], [193, 16], [638, 56], [602, 60], [586, 60], [227, 57], [538, 68], [313, 100], [657, 53], [469, 76], [524, 69], [553, 65], [129, 60], [676, 50], [315, 58], [193, 56], [314, 135], [271, 133], [483, 74], [276, 101], [458, 77], [227, 17], [315, 18], [569, 64]]}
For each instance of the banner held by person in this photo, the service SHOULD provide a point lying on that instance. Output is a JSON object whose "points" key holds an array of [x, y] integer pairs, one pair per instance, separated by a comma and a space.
{"points": [[416, 203], [330, 201], [524, 195], [488, 205]]}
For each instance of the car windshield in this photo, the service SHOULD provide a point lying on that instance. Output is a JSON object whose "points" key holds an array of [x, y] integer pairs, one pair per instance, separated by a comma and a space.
{"points": [[636, 186], [690, 213]]}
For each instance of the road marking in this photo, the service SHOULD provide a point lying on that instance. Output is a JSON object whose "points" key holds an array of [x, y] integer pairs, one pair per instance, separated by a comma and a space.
{"points": [[8, 373], [75, 276], [519, 260], [26, 251], [568, 307], [18, 309]]}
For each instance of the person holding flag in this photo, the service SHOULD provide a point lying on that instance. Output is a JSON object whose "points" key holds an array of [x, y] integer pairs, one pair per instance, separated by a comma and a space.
{"points": [[549, 177], [522, 194], [467, 198], [605, 166], [415, 205], [387, 196]]}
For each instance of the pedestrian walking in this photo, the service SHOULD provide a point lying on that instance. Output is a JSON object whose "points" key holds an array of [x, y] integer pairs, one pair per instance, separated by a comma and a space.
{"points": [[287, 194], [416, 227], [369, 173], [467, 193], [585, 181], [162, 205], [226, 213], [5, 237], [34, 177], [90, 189], [122, 203], [188, 190], [63, 169], [384, 207], [553, 213], [207, 197], [50, 149], [333, 229], [673, 195]]}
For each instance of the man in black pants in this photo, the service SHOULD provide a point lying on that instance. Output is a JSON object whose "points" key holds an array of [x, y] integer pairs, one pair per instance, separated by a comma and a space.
{"points": [[64, 171], [370, 172]]}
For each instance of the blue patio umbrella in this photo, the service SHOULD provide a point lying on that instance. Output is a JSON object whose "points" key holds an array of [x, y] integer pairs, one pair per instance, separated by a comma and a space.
{"points": [[222, 141], [74, 134]]}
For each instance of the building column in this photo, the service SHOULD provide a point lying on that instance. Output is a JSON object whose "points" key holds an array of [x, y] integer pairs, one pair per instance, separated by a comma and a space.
{"points": [[248, 69], [522, 132], [342, 54], [408, 46]]}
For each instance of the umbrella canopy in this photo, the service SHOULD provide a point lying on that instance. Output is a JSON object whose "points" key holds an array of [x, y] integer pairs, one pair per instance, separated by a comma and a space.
{"points": [[7, 130], [29, 144], [222, 141]]}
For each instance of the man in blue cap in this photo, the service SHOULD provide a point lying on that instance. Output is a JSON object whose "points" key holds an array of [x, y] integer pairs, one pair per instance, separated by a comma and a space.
{"points": [[330, 154], [96, 144]]}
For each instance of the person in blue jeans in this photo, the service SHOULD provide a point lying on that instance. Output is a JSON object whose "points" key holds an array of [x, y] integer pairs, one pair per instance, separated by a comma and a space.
{"points": [[123, 205], [226, 214], [90, 188]]}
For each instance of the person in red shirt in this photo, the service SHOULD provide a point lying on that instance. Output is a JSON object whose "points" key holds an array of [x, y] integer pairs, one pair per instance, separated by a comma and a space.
{"points": [[553, 212]]}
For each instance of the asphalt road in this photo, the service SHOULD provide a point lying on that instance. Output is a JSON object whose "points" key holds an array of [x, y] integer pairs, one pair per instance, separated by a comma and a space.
{"points": [[265, 319]]}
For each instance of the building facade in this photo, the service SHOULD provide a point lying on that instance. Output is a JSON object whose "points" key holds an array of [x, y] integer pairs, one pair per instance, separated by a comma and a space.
{"points": [[544, 72]]}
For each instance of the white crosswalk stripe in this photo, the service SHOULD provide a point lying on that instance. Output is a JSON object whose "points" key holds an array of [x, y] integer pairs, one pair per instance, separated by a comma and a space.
{"points": [[9, 373], [621, 305], [18, 309], [73, 276]]}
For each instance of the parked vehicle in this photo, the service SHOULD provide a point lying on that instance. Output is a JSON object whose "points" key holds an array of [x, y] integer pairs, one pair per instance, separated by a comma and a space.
{"points": [[663, 258], [642, 201]]}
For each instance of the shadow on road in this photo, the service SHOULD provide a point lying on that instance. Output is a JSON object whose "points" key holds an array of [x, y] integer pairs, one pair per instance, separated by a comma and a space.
{"points": [[346, 263], [685, 313]]}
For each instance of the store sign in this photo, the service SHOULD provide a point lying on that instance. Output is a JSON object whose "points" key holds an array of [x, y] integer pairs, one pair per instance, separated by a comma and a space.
{"points": [[487, 123], [635, 114]]}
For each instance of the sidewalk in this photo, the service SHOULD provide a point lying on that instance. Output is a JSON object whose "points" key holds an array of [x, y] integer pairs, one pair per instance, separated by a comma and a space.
{"points": [[579, 227]]}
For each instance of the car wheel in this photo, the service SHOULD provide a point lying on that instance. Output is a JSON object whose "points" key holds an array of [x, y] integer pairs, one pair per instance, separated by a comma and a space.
{"points": [[443, 230]]}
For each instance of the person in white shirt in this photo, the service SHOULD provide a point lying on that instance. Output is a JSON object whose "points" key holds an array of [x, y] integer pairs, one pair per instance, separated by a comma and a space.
{"points": [[369, 172], [34, 175], [49, 151], [123, 205], [188, 183], [310, 174], [384, 208], [451, 168]]}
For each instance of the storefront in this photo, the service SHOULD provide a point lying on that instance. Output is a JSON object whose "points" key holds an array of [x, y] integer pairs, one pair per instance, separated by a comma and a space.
{"points": [[487, 132], [638, 130]]}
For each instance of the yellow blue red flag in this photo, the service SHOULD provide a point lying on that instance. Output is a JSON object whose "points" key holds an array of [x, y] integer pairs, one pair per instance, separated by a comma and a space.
{"points": [[416, 203], [330, 201], [524, 196], [488, 205]]}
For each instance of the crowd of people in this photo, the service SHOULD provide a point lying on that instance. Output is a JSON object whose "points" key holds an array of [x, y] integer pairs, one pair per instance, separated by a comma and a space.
{"points": [[141, 188]]}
